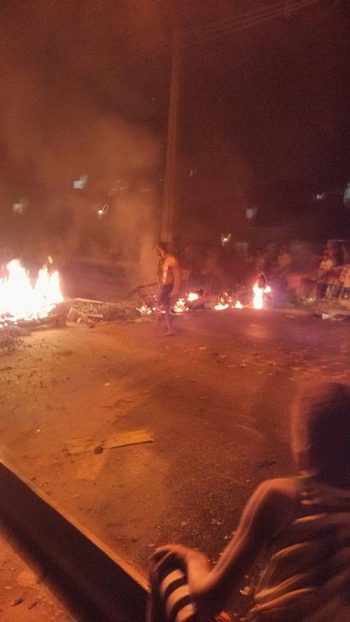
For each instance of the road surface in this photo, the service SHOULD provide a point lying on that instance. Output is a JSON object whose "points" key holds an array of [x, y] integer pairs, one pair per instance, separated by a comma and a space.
{"points": [[214, 401]]}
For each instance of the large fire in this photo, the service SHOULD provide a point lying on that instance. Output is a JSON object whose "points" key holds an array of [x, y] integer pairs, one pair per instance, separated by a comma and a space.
{"points": [[20, 299]]}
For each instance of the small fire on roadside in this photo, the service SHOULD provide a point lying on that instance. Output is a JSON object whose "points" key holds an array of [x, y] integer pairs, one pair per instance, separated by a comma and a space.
{"points": [[20, 299], [221, 306], [192, 296], [260, 288], [145, 310], [221, 303], [180, 306]]}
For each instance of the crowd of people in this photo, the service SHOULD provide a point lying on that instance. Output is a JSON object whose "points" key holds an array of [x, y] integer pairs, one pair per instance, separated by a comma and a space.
{"points": [[322, 275], [329, 277], [213, 270], [333, 275]]}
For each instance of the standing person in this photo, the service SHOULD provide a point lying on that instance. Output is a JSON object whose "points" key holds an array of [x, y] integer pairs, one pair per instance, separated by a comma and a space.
{"points": [[284, 260], [344, 277], [302, 522], [336, 255], [324, 273], [169, 275]]}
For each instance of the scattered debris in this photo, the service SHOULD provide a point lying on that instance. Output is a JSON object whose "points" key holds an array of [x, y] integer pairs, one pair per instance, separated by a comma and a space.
{"points": [[91, 312], [265, 463], [124, 439], [98, 449], [246, 591], [9, 339], [64, 353], [214, 521], [335, 317]]}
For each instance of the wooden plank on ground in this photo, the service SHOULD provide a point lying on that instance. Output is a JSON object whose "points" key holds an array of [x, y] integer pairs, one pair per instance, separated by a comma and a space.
{"points": [[123, 439]]}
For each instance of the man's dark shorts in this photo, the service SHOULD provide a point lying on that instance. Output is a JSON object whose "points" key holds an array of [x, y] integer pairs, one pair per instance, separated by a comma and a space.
{"points": [[164, 294]]}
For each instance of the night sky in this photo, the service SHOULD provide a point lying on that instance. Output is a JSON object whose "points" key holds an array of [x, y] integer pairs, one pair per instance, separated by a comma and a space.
{"points": [[85, 90]]}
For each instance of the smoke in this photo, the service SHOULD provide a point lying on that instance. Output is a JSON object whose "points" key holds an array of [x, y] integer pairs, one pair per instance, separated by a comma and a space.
{"points": [[72, 105]]}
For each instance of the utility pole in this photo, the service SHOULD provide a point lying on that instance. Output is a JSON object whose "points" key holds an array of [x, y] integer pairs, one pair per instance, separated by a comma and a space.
{"points": [[169, 196], [194, 37]]}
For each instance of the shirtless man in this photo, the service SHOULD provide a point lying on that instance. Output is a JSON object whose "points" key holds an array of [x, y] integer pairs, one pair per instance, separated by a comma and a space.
{"points": [[169, 274]]}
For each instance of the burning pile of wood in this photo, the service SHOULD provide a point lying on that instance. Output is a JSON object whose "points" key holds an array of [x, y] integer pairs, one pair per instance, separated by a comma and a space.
{"points": [[27, 303]]}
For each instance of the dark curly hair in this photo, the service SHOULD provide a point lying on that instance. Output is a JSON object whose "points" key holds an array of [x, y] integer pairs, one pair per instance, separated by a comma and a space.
{"points": [[321, 432]]}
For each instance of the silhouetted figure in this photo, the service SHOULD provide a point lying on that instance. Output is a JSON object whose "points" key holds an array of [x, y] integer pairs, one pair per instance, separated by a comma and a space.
{"points": [[169, 275]]}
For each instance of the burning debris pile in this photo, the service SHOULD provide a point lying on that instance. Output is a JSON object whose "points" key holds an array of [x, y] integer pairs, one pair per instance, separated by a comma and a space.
{"points": [[257, 298], [23, 301]]}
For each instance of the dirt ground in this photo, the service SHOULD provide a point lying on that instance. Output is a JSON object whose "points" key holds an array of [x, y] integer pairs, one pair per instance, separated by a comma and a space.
{"points": [[206, 413], [25, 593]]}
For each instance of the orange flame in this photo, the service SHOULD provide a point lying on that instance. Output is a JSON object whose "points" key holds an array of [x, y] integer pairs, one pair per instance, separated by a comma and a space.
{"points": [[144, 310], [258, 299], [20, 300], [221, 306], [180, 306], [192, 296]]}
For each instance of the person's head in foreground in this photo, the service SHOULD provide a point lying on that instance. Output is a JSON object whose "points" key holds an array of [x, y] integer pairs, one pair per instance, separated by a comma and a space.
{"points": [[321, 433]]}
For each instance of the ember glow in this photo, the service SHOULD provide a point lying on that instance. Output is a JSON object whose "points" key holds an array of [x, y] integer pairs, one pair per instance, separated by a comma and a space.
{"points": [[144, 310], [180, 306], [22, 300], [221, 302], [221, 306]]}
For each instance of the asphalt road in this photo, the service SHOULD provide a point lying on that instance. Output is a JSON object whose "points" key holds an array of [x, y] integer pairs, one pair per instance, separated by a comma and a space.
{"points": [[214, 399]]}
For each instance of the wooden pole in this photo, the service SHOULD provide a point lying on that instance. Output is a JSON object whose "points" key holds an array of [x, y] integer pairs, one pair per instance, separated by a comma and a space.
{"points": [[169, 196]]}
